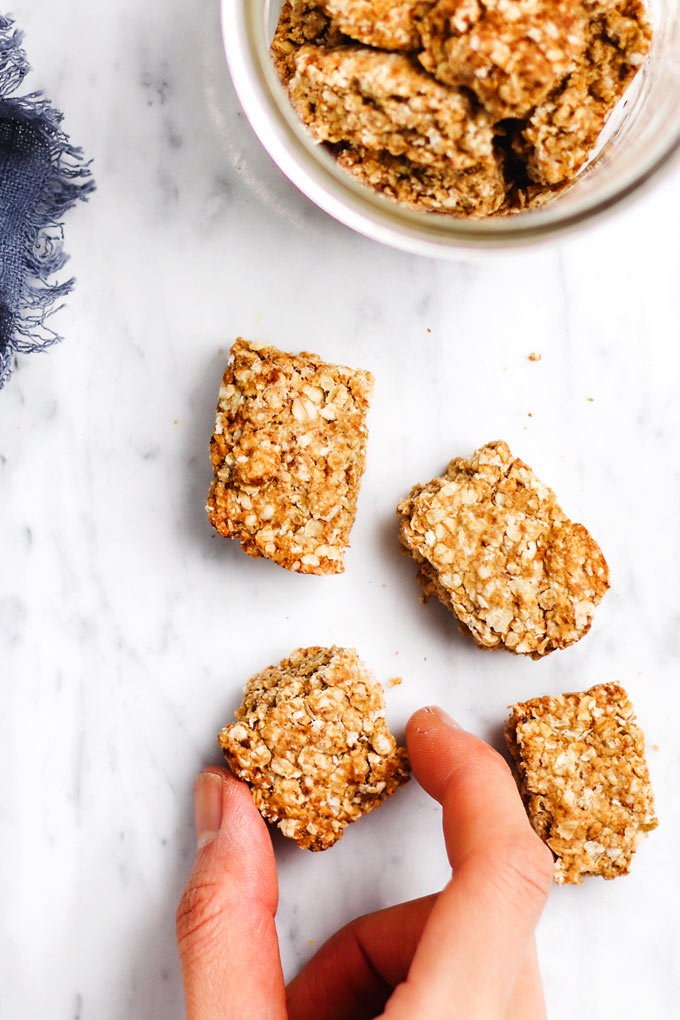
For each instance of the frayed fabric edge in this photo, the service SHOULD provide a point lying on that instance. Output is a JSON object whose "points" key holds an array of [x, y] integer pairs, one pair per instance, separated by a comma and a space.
{"points": [[70, 179]]}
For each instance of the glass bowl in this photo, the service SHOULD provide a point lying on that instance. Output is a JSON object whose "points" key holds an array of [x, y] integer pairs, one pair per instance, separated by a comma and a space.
{"points": [[641, 138]]}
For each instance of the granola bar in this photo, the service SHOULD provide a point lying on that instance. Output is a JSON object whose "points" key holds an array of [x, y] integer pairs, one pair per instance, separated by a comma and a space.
{"points": [[562, 132], [479, 191], [384, 102], [312, 741], [511, 53], [580, 762], [495, 548], [288, 452]]}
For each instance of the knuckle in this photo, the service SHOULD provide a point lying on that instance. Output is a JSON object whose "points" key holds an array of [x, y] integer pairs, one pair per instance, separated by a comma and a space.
{"points": [[198, 914]]}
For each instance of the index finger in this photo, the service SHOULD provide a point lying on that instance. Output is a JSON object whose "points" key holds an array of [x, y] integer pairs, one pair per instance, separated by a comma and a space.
{"points": [[472, 782], [480, 928]]}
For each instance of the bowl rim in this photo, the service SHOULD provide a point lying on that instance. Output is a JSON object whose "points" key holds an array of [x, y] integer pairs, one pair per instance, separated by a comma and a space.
{"points": [[314, 172]]}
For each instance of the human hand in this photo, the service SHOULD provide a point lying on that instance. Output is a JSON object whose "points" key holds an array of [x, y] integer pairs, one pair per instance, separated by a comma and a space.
{"points": [[466, 953]]}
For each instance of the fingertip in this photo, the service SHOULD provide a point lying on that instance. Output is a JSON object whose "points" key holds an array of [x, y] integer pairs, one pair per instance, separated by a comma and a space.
{"points": [[225, 919], [435, 743], [432, 717], [232, 839], [218, 770], [438, 747], [225, 810]]}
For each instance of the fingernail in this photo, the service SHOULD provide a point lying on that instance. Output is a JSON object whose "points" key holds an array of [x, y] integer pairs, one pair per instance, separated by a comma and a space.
{"points": [[443, 716], [207, 807]]}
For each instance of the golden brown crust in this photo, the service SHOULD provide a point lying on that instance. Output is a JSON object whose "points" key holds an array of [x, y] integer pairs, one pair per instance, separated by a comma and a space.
{"points": [[288, 451], [496, 549], [580, 762], [312, 741]]}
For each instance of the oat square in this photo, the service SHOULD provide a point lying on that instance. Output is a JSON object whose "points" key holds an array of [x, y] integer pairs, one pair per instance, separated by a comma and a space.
{"points": [[478, 192], [496, 549], [386, 102], [581, 768], [510, 54], [561, 132], [288, 452], [301, 22], [312, 741]]}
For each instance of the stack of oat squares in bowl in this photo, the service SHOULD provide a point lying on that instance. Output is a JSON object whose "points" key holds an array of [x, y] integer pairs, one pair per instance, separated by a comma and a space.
{"points": [[472, 107]]}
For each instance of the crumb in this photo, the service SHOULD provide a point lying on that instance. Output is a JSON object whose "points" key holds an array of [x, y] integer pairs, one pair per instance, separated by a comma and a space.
{"points": [[535, 357], [396, 681], [176, 422], [655, 747], [580, 761], [288, 452], [311, 942], [312, 741], [589, 399], [495, 548]]}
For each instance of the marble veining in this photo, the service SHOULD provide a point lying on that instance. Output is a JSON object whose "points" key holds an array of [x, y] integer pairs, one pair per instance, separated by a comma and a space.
{"points": [[127, 627]]}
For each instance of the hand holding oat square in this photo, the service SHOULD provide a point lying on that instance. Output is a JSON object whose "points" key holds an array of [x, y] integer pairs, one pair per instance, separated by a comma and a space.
{"points": [[312, 741]]}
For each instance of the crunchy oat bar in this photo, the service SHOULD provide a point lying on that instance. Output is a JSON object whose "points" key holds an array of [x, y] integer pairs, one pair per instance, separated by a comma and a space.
{"points": [[383, 101], [562, 132], [288, 452], [312, 741], [511, 53], [386, 24], [479, 191], [580, 762], [301, 22], [496, 549]]}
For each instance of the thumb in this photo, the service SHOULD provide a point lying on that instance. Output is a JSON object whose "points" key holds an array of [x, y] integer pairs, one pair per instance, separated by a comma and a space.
{"points": [[225, 920]]}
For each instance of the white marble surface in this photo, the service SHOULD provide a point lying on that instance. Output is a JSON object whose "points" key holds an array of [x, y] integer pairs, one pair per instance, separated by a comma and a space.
{"points": [[127, 628]]}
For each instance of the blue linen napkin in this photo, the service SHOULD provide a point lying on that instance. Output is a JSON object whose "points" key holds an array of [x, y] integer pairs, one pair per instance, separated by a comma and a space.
{"points": [[41, 176]]}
